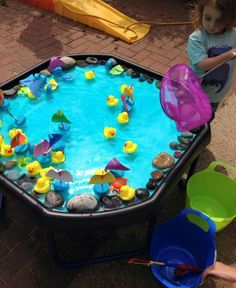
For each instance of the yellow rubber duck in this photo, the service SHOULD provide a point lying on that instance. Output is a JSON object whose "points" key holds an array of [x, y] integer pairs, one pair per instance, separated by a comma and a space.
{"points": [[123, 117], [109, 132], [33, 168], [130, 147], [112, 101], [58, 157], [89, 75], [126, 193], [6, 150], [13, 132], [42, 185], [44, 171]]}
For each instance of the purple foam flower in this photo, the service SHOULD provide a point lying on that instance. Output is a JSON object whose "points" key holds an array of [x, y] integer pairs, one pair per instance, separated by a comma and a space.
{"points": [[114, 164], [41, 148]]}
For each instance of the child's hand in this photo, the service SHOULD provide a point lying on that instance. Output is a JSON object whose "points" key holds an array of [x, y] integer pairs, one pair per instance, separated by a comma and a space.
{"points": [[220, 271]]}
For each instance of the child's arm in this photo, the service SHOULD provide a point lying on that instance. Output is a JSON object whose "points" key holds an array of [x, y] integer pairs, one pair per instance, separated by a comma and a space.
{"points": [[220, 271], [212, 62]]}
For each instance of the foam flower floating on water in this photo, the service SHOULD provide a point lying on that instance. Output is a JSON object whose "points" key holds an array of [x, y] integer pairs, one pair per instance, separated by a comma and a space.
{"points": [[61, 118], [54, 138], [114, 164], [45, 146], [61, 175], [117, 70], [41, 148], [22, 161], [19, 139], [101, 177]]}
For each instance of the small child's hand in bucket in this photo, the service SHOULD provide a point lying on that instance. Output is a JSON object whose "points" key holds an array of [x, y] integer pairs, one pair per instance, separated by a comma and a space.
{"points": [[220, 271]]}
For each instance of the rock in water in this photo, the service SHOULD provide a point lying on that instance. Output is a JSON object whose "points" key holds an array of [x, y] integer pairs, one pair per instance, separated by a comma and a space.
{"points": [[10, 164], [2, 167], [45, 72], [69, 62], [27, 186], [163, 160], [10, 93], [81, 63], [174, 145], [142, 193], [25, 178], [53, 199], [83, 203], [157, 175], [151, 184], [13, 174], [184, 140], [110, 201]]}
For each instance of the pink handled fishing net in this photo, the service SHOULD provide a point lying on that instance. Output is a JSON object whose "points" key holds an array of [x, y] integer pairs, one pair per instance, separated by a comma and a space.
{"points": [[183, 99]]}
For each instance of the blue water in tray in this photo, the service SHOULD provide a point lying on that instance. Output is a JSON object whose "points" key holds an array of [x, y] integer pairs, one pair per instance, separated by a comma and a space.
{"points": [[84, 103]]}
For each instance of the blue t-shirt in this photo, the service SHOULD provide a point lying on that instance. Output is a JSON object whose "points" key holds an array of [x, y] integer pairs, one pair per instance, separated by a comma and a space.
{"points": [[202, 45]]}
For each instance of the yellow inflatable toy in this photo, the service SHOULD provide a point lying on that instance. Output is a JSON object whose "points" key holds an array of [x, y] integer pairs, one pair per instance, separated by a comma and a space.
{"points": [[33, 168], [112, 101], [97, 14], [58, 157], [126, 193], [109, 132], [13, 132], [42, 185], [54, 84], [130, 147], [89, 75], [44, 171], [7, 150], [123, 117]]}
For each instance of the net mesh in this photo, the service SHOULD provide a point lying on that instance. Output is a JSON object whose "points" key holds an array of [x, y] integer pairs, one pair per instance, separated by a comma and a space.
{"points": [[183, 99]]}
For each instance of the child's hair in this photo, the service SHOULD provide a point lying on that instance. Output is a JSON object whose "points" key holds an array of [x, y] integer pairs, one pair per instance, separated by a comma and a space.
{"points": [[225, 7]]}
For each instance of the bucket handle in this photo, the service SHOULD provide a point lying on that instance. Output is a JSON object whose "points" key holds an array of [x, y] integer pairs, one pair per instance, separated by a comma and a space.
{"points": [[211, 224], [213, 165]]}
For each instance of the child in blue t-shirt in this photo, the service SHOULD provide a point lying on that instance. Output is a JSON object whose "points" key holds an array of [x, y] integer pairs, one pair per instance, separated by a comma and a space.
{"points": [[212, 43]]}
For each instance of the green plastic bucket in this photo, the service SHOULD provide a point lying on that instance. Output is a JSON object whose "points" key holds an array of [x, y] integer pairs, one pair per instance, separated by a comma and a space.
{"points": [[213, 194]]}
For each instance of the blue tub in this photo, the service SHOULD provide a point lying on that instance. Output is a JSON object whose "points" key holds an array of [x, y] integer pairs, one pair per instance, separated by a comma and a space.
{"points": [[181, 241]]}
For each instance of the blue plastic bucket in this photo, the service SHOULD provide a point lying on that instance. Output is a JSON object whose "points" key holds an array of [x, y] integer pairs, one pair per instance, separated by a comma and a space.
{"points": [[182, 241]]}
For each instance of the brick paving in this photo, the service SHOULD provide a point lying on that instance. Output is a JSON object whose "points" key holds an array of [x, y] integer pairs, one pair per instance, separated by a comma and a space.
{"points": [[27, 39]]}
